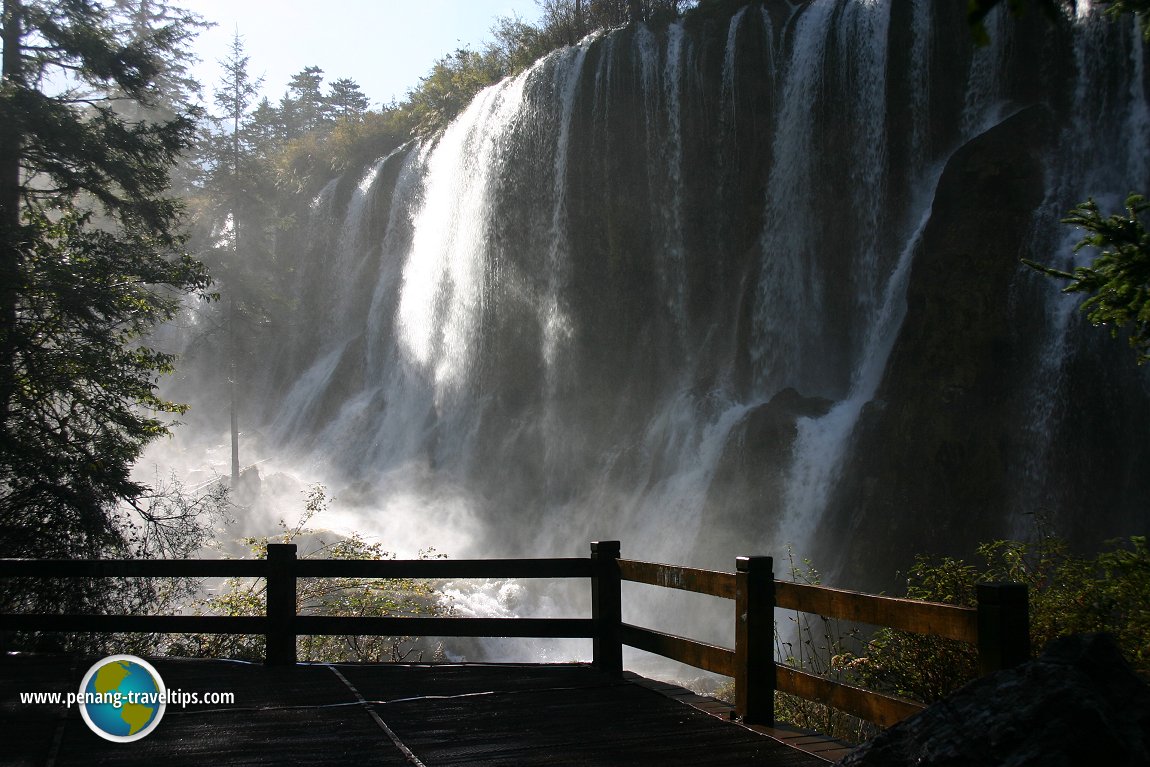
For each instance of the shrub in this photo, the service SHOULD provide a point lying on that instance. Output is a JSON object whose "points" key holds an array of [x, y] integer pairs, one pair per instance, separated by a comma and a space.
{"points": [[361, 597], [1069, 594], [816, 645]]}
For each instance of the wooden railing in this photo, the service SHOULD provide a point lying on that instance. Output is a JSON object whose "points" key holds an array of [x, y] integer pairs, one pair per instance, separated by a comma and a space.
{"points": [[998, 626]]}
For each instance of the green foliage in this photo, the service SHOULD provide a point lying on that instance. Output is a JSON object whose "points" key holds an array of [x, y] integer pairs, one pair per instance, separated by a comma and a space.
{"points": [[360, 597], [169, 520], [304, 109], [457, 77], [76, 426], [1069, 594], [910, 665], [519, 45], [90, 261], [238, 218], [1120, 601], [450, 87], [815, 645], [345, 99], [351, 143], [569, 20], [315, 134], [819, 647], [1141, 9], [1118, 280]]}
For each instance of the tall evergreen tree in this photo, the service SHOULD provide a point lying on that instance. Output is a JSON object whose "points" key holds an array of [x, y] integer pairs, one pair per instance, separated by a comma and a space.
{"points": [[90, 261], [234, 97], [304, 107], [346, 99], [173, 85]]}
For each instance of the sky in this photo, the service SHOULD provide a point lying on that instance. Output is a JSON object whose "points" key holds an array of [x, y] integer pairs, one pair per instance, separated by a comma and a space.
{"points": [[384, 45]]}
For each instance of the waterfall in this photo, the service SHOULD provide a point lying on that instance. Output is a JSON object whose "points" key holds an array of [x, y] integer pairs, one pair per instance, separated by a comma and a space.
{"points": [[694, 285], [556, 324], [789, 306], [1098, 116], [442, 300], [729, 53]]}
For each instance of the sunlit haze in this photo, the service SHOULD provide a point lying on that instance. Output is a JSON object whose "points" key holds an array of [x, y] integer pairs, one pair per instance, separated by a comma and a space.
{"points": [[384, 45]]}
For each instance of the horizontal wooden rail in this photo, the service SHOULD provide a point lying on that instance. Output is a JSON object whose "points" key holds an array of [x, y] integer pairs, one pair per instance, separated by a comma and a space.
{"points": [[998, 626], [712, 582], [446, 627], [883, 710], [133, 568], [442, 568], [708, 657], [303, 568], [281, 624], [306, 625], [146, 624], [933, 618]]}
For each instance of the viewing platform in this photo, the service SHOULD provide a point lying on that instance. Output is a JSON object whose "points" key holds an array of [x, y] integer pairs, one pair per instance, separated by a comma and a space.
{"points": [[393, 714], [284, 711]]}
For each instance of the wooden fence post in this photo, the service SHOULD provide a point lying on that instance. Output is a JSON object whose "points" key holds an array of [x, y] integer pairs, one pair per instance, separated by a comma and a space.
{"points": [[281, 596], [754, 635], [607, 606], [1003, 626]]}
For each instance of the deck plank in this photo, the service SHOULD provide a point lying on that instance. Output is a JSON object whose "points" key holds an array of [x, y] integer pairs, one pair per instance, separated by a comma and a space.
{"points": [[445, 714]]}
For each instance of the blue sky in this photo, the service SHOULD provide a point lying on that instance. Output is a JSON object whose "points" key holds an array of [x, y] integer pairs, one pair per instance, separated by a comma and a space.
{"points": [[384, 45]]}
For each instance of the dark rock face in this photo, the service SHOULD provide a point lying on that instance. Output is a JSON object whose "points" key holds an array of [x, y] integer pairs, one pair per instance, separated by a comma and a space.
{"points": [[1079, 704], [750, 475], [928, 439]]}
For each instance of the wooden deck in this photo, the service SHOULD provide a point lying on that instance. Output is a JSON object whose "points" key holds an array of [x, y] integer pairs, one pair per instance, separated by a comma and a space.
{"points": [[393, 715]]}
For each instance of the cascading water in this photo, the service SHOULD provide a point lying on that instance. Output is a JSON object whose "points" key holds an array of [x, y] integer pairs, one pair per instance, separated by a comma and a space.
{"points": [[701, 287], [1100, 116]]}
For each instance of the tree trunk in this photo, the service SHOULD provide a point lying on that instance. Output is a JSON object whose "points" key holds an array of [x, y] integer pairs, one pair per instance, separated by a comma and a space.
{"points": [[233, 385], [11, 144], [234, 362]]}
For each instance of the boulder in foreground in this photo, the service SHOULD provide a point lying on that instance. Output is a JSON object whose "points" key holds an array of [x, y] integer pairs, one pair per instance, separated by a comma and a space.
{"points": [[1078, 704]]}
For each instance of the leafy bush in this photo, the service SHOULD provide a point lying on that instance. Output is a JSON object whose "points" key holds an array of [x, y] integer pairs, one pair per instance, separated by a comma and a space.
{"points": [[304, 164], [1069, 594], [360, 597], [909, 665], [166, 521], [816, 645], [1117, 282]]}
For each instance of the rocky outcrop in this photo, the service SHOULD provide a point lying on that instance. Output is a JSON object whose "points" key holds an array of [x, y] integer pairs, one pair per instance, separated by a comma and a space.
{"points": [[742, 503], [1079, 704], [932, 454]]}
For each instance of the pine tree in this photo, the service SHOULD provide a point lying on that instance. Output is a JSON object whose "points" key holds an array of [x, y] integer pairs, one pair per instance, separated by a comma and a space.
{"points": [[90, 262], [304, 107], [345, 98], [232, 188]]}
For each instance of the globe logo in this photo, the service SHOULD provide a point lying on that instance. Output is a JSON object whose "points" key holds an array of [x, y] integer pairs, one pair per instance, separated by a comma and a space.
{"points": [[122, 698]]}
